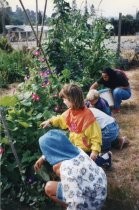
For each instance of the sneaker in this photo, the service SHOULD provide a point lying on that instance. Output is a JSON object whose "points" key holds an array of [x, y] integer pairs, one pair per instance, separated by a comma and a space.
{"points": [[104, 160], [123, 142]]}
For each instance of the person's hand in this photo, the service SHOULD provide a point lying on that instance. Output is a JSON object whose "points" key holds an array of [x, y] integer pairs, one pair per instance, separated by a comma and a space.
{"points": [[38, 164], [93, 156], [45, 124]]}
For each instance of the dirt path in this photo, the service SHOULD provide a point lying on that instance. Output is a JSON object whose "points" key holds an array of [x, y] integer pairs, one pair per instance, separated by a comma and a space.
{"points": [[123, 180]]}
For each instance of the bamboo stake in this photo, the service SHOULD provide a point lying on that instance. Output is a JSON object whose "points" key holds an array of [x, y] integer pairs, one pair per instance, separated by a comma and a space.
{"points": [[43, 20], [39, 44], [3, 119], [37, 22]]}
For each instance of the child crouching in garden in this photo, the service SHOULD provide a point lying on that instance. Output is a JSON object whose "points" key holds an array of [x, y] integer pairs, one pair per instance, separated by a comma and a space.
{"points": [[84, 131], [110, 131], [93, 99], [83, 184]]}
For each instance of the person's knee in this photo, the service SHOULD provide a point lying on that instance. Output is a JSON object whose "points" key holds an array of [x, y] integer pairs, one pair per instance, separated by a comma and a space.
{"points": [[48, 189], [116, 91]]}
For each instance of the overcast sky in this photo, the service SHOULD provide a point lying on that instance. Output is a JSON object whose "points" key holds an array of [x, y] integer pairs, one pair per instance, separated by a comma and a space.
{"points": [[108, 8]]}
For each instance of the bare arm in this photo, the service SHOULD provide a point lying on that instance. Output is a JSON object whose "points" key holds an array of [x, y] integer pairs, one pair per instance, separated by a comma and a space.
{"points": [[39, 163], [46, 123], [94, 85]]}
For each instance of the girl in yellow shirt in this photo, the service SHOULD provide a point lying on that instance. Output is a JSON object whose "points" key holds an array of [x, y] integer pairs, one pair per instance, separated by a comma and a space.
{"points": [[84, 131]]}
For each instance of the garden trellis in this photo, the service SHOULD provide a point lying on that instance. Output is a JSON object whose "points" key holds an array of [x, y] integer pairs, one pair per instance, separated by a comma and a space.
{"points": [[7, 133], [35, 34]]}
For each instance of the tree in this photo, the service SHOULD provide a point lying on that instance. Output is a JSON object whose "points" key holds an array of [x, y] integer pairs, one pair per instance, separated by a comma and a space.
{"points": [[3, 15], [74, 5], [86, 13], [137, 15], [92, 10], [39, 18]]}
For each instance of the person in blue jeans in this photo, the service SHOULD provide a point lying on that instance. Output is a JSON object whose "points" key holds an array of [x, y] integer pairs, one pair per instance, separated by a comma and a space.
{"points": [[93, 99], [118, 82], [110, 131], [82, 184]]}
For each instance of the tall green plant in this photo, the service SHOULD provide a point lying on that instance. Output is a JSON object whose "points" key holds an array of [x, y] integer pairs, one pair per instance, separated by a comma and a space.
{"points": [[77, 45], [37, 99]]}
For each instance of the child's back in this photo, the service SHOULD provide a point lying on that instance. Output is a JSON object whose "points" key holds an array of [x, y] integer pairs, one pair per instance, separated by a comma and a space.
{"points": [[103, 105]]}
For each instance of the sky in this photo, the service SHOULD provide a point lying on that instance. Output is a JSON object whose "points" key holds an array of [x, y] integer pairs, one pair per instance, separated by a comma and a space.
{"points": [[107, 8]]}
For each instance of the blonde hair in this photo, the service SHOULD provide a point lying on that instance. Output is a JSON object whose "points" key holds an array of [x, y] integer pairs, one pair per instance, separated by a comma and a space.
{"points": [[74, 94], [92, 95]]}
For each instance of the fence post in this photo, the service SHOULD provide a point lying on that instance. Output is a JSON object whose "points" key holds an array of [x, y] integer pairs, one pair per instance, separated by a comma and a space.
{"points": [[119, 34]]}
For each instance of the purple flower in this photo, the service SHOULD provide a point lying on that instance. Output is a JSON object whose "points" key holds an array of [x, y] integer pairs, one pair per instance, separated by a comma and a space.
{"points": [[49, 72]]}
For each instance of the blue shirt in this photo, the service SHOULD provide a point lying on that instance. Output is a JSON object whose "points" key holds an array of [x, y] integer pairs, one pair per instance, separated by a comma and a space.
{"points": [[103, 105]]}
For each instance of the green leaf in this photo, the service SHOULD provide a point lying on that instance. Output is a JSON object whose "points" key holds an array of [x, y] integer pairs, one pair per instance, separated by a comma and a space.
{"points": [[4, 140], [25, 124], [26, 103], [8, 101]]}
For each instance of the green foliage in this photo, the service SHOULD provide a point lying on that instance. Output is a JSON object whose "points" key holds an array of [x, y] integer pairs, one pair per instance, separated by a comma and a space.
{"points": [[76, 45], [7, 101], [37, 100], [13, 66], [5, 45]]}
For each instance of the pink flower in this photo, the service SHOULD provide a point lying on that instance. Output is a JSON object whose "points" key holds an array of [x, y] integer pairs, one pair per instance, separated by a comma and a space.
{"points": [[41, 60], [36, 53], [35, 97], [1, 151]]}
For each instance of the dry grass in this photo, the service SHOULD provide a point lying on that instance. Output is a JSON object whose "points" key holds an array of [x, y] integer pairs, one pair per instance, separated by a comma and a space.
{"points": [[123, 179], [10, 90]]}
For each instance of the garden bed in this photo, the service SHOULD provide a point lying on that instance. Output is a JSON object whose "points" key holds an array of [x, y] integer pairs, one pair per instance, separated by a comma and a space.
{"points": [[123, 179]]}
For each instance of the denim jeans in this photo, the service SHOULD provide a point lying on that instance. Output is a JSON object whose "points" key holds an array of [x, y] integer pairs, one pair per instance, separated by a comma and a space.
{"points": [[109, 135], [120, 94], [59, 192]]}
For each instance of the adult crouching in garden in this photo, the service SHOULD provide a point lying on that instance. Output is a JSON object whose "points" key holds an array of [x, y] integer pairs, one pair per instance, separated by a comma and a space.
{"points": [[118, 82]]}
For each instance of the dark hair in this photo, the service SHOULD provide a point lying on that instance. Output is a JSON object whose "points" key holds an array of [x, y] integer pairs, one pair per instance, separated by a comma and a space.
{"points": [[110, 72], [74, 94]]}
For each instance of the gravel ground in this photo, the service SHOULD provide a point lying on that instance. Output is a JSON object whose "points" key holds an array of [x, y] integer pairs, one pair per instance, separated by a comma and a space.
{"points": [[127, 43]]}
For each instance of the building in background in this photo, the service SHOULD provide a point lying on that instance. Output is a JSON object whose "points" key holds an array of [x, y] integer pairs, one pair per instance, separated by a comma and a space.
{"points": [[20, 33]]}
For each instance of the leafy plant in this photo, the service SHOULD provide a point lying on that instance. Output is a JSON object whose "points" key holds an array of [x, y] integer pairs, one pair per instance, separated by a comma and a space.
{"points": [[13, 66], [5, 45], [37, 99], [78, 45]]}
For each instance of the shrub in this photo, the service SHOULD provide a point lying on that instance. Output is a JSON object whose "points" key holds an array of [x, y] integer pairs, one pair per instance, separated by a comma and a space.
{"points": [[13, 66], [5, 45]]}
